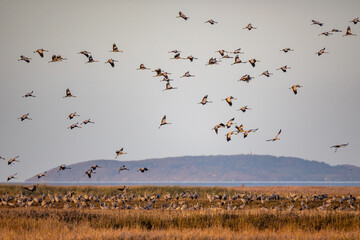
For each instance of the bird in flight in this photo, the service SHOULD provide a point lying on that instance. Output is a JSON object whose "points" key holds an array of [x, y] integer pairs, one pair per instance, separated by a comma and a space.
{"points": [[237, 60], [326, 34], [266, 74], [187, 74], [12, 160], [142, 67], [62, 168], [89, 172], [175, 51], [115, 48], [355, 20], [295, 87], [276, 137], [12, 177], [68, 93], [163, 121], [284, 68], [249, 27], [122, 168], [111, 62], [212, 22], [212, 61], [348, 32], [31, 189], [244, 108], [43, 174], [230, 122], [339, 146], [246, 133], [221, 52], [253, 61], [228, 135], [86, 122], [95, 166], [29, 94], [120, 152], [41, 52], [229, 100], [181, 15], [191, 58], [321, 51], [75, 125], [240, 128], [85, 53], [285, 50], [314, 22], [23, 58], [237, 51], [169, 87], [91, 60], [216, 128], [72, 115], [204, 100], [143, 169], [25, 116], [245, 78]]}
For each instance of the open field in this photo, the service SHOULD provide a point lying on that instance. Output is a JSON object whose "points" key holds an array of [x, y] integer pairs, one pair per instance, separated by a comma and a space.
{"points": [[86, 212]]}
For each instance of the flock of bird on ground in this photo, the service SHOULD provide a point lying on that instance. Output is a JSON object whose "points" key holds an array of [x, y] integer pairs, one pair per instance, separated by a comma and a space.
{"points": [[161, 73]]}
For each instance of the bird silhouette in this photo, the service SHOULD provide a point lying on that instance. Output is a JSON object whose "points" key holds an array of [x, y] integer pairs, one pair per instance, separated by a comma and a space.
{"points": [[68, 94], [23, 58], [12, 177], [123, 168], [63, 167], [24, 117], [163, 121], [120, 152], [29, 94], [31, 189], [143, 169], [85, 53], [315, 22], [339, 146], [13, 160], [212, 22], [182, 15], [249, 27]]}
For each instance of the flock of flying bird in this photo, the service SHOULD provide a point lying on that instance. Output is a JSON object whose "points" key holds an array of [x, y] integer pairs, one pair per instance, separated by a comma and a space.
{"points": [[160, 73]]}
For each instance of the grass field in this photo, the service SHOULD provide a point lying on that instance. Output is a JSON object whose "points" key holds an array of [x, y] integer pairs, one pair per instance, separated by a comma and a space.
{"points": [[72, 212]]}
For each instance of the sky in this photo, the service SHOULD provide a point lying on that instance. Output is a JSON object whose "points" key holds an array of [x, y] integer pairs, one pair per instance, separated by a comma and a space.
{"points": [[127, 105]]}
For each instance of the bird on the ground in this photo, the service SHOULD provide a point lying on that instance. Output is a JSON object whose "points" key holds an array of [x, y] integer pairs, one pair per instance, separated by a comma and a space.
{"points": [[339, 146], [85, 53], [326, 34], [25, 116], [75, 125], [163, 121], [187, 74], [212, 61], [120, 152], [29, 94], [41, 51], [142, 67], [31, 189], [355, 20], [246, 78], [182, 15], [111, 62], [43, 174], [266, 74], [249, 27], [294, 88], [95, 166], [63, 167], [284, 68], [86, 122], [276, 137], [72, 115], [122, 189], [204, 100], [143, 169], [229, 100], [237, 51], [115, 48], [68, 93], [244, 108], [230, 122], [212, 22], [23, 58], [89, 172], [237, 60], [246, 132], [228, 135], [321, 51], [91, 60], [348, 32], [12, 160], [216, 128], [285, 50], [12, 177], [253, 61], [191, 58], [169, 87], [315, 22], [123, 168]]}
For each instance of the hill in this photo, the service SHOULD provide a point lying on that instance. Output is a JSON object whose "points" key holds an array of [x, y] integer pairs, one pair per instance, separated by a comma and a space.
{"points": [[207, 169]]}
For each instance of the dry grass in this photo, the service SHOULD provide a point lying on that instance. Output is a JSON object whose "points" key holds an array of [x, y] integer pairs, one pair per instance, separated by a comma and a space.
{"points": [[250, 223]]}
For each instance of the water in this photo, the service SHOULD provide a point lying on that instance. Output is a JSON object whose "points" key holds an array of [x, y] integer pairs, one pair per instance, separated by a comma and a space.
{"points": [[207, 184]]}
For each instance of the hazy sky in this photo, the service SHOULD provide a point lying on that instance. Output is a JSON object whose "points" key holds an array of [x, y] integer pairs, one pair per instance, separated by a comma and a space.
{"points": [[127, 105]]}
